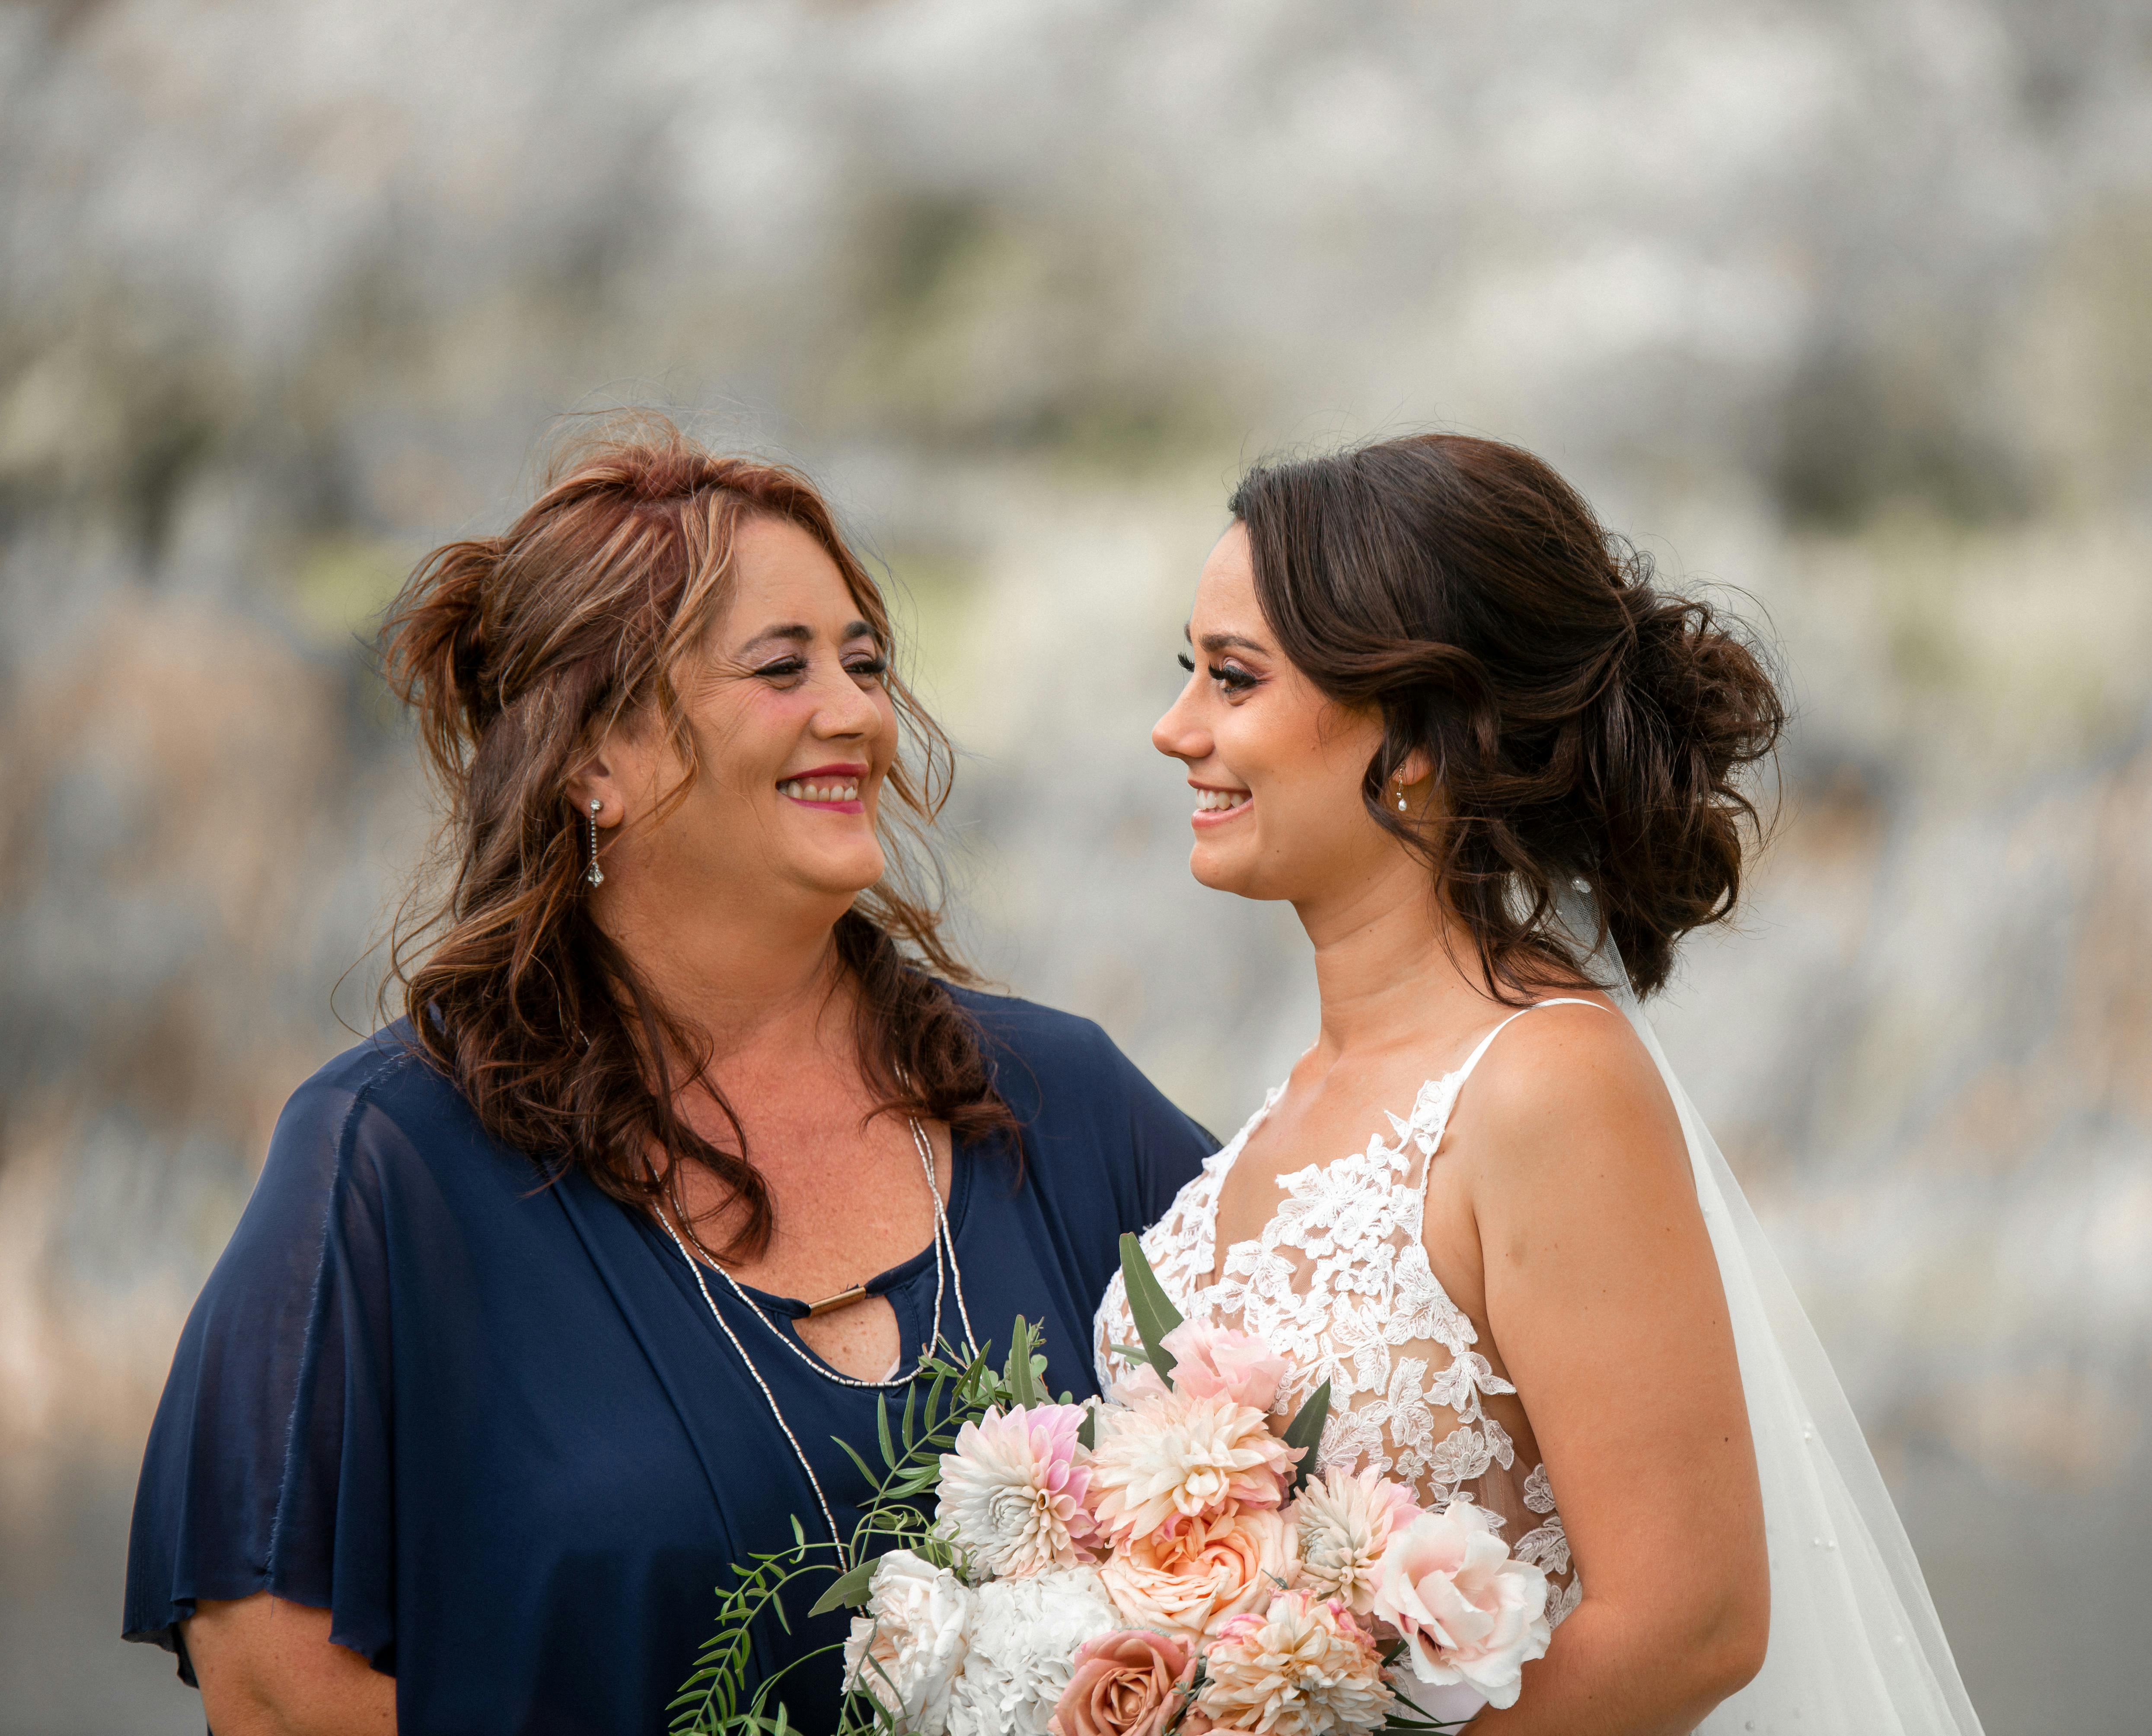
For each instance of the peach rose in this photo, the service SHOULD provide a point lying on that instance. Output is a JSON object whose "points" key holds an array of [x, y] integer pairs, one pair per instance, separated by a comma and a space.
{"points": [[1128, 1683], [1187, 1579]]}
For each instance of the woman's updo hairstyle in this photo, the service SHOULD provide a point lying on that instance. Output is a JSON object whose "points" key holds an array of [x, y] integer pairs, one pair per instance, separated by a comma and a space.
{"points": [[1582, 724], [518, 652]]}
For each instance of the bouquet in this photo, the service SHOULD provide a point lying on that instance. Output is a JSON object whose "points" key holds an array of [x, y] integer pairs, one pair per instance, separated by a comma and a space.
{"points": [[1159, 1563]]}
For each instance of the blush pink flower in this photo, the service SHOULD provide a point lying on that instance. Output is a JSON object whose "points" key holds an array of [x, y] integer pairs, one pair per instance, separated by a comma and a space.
{"points": [[1186, 1579], [1014, 1492], [1130, 1683], [1174, 1456], [1302, 1666], [1215, 1362], [1468, 1614]]}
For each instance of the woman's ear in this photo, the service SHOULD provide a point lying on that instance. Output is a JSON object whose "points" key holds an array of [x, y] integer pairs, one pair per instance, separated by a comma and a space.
{"points": [[1418, 768], [597, 781]]}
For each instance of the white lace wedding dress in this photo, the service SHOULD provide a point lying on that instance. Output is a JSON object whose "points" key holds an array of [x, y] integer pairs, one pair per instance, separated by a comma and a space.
{"points": [[1338, 1283]]}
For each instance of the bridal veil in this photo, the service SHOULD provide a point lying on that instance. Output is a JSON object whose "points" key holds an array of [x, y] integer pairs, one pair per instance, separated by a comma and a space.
{"points": [[1855, 1646]]}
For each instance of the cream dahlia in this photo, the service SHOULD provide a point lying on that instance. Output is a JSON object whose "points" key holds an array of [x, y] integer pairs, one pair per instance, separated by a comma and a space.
{"points": [[1173, 1456], [1301, 1667], [1346, 1520], [1012, 1493]]}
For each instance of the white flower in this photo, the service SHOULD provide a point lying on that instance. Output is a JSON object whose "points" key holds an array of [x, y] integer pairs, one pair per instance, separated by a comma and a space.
{"points": [[1470, 1615], [906, 1650], [1346, 1520], [1022, 1652], [1012, 1493]]}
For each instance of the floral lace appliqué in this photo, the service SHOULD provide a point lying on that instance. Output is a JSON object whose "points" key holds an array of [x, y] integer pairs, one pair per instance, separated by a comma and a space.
{"points": [[1338, 1284]]}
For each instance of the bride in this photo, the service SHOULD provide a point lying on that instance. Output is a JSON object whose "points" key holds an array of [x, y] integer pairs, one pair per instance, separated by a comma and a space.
{"points": [[1433, 704]]}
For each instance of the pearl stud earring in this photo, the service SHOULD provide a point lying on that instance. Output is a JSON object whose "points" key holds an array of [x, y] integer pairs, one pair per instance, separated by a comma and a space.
{"points": [[594, 874]]}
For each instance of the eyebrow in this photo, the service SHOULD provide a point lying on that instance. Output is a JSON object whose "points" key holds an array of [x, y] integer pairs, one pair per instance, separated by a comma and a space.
{"points": [[798, 633], [1216, 643]]}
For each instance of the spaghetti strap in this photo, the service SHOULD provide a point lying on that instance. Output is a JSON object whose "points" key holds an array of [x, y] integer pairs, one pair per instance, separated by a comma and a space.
{"points": [[1487, 1042]]}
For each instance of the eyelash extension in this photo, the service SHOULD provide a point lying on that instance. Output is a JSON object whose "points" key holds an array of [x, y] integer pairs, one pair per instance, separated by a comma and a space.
{"points": [[1234, 681], [877, 667]]}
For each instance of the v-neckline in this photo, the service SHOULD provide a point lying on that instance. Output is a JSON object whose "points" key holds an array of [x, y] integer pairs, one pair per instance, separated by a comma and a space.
{"points": [[1445, 1089]]}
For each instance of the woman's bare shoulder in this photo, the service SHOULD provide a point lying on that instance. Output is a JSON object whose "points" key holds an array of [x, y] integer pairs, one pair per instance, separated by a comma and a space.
{"points": [[1567, 1092]]}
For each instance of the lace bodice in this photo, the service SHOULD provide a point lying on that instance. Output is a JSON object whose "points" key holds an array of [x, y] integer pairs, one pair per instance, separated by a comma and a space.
{"points": [[1338, 1284]]}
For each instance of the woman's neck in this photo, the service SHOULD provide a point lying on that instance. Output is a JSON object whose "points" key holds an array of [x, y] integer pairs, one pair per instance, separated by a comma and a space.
{"points": [[1390, 964], [747, 981]]}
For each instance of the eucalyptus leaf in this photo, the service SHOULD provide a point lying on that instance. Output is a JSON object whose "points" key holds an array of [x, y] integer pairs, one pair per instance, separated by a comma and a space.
{"points": [[849, 1592], [1149, 1306]]}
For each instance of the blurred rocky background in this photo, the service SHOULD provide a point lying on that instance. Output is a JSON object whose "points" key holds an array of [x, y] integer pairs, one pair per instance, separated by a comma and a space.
{"points": [[1846, 306]]}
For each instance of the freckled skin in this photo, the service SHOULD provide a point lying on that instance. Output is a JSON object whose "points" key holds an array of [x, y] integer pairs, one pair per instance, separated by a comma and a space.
{"points": [[725, 901]]}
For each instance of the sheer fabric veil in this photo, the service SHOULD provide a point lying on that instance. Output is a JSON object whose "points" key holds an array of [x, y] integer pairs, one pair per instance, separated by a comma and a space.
{"points": [[1855, 1646]]}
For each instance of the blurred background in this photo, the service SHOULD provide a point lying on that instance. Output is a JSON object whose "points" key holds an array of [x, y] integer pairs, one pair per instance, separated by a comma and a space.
{"points": [[1847, 306]]}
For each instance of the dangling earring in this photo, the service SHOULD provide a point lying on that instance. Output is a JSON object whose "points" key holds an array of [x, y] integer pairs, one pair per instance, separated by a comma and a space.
{"points": [[594, 874], [1401, 795]]}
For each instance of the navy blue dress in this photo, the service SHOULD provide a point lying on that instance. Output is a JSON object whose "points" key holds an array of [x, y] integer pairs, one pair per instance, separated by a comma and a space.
{"points": [[491, 1426]]}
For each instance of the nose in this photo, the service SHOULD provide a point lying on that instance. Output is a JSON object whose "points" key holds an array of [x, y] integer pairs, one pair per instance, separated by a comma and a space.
{"points": [[1179, 734], [845, 710]]}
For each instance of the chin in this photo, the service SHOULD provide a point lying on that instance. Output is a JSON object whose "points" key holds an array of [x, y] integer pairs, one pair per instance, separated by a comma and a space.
{"points": [[844, 875], [1220, 871]]}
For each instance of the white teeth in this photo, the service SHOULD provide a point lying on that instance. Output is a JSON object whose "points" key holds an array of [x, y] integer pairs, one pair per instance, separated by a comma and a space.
{"points": [[1217, 801], [801, 791], [851, 792]]}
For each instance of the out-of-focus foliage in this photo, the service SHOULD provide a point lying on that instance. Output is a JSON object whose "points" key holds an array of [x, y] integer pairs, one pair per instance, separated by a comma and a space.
{"points": [[1844, 304]]}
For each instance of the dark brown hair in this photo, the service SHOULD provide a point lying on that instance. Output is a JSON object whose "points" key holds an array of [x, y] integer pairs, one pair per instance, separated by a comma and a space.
{"points": [[517, 653], [1582, 723]]}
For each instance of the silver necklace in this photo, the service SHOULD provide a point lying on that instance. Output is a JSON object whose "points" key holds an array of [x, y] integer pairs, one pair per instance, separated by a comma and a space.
{"points": [[949, 1275]]}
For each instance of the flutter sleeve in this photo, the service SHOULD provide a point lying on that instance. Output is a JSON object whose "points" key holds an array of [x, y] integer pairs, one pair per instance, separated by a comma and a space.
{"points": [[1170, 1145], [268, 1466]]}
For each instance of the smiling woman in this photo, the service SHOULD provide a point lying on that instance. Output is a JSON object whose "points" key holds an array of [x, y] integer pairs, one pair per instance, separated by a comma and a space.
{"points": [[556, 1295]]}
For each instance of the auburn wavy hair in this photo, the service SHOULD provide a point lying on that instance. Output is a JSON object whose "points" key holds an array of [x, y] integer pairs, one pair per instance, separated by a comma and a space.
{"points": [[1584, 723], [517, 653]]}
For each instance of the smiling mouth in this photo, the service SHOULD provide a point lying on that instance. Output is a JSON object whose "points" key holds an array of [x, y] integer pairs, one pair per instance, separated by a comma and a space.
{"points": [[831, 786], [1212, 805]]}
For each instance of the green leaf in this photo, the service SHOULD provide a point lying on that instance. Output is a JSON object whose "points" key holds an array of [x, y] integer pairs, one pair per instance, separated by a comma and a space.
{"points": [[1087, 1431], [1134, 1352], [911, 1411], [1152, 1313], [1305, 1431], [1023, 1388], [865, 1469], [882, 1428], [849, 1592]]}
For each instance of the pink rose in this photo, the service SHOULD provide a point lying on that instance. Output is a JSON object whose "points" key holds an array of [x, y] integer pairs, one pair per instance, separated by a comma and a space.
{"points": [[1468, 1613], [1128, 1683], [1217, 1362]]}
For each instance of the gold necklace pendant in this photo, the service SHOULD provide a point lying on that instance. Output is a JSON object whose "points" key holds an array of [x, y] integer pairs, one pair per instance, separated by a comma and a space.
{"points": [[842, 1299]]}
